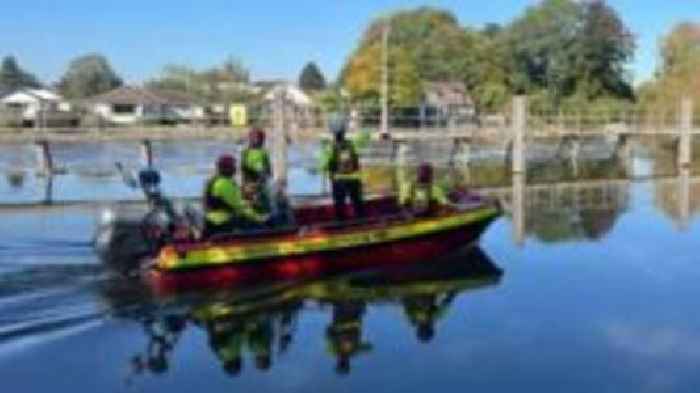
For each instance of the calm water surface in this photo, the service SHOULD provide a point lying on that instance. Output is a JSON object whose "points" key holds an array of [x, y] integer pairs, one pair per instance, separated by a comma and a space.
{"points": [[601, 296]]}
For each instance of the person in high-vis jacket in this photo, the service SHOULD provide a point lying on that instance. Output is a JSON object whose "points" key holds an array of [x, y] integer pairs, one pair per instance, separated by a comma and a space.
{"points": [[344, 171], [344, 335], [225, 208], [256, 171], [423, 311], [423, 196]]}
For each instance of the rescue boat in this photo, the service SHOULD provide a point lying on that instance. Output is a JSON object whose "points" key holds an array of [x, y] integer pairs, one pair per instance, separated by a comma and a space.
{"points": [[318, 244]]}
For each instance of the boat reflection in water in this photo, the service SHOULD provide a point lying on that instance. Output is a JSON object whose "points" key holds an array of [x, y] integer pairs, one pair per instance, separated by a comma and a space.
{"points": [[257, 323]]}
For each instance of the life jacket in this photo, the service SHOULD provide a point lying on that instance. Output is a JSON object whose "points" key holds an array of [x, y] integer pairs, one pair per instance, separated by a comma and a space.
{"points": [[255, 165], [211, 201], [344, 160], [422, 198]]}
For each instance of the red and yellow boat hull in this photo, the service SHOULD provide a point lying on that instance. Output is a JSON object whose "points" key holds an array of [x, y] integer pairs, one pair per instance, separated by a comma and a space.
{"points": [[310, 252]]}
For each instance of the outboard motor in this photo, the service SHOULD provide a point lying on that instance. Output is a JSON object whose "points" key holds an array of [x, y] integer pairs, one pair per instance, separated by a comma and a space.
{"points": [[124, 237]]}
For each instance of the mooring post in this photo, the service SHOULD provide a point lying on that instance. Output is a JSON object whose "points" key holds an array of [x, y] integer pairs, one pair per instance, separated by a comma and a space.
{"points": [[686, 124], [574, 151], [519, 128], [43, 157], [279, 140], [684, 198], [625, 154], [48, 190], [146, 153], [518, 206], [454, 151]]}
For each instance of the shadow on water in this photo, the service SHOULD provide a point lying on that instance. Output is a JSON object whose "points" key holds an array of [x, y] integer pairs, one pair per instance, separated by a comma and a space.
{"points": [[260, 321]]}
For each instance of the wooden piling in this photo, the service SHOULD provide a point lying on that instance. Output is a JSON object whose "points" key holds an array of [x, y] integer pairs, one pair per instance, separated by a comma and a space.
{"points": [[279, 140], [518, 209], [519, 128], [684, 198], [44, 158], [685, 127], [147, 153]]}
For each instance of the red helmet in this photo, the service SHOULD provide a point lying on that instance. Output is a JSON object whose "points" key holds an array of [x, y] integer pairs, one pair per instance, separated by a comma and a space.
{"points": [[226, 164], [256, 137], [425, 173]]}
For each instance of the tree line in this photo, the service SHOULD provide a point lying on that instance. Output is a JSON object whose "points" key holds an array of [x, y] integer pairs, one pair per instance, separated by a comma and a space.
{"points": [[561, 53], [92, 74]]}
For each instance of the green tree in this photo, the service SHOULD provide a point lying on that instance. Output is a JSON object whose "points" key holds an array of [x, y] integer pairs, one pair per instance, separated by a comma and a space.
{"points": [[175, 77], [234, 70], [425, 44], [87, 76], [13, 77], [679, 74], [564, 48], [543, 47], [225, 83], [363, 77], [605, 46], [311, 78]]}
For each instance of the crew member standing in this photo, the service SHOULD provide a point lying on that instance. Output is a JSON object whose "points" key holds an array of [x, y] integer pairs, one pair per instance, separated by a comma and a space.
{"points": [[344, 171]]}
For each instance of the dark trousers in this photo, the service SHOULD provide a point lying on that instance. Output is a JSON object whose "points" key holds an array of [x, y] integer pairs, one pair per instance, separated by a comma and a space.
{"points": [[347, 188], [230, 227]]}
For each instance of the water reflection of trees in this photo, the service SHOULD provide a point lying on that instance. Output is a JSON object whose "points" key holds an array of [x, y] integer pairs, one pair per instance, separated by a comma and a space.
{"points": [[572, 220], [254, 327], [667, 194], [562, 219]]}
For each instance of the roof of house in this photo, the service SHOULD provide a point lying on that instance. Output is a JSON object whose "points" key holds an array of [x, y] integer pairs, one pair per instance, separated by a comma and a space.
{"points": [[446, 93], [292, 92], [135, 95], [30, 94]]}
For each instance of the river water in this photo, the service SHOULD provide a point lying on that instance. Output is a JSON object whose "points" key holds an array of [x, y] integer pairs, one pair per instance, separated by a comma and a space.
{"points": [[596, 289]]}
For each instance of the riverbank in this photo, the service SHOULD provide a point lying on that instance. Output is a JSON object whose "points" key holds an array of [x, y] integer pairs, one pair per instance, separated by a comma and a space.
{"points": [[29, 135]]}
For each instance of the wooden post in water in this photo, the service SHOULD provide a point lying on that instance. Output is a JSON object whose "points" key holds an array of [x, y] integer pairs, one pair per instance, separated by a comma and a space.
{"points": [[147, 153], [279, 140], [574, 152], [685, 126], [684, 198], [518, 206], [384, 130], [44, 158], [519, 128], [48, 190]]}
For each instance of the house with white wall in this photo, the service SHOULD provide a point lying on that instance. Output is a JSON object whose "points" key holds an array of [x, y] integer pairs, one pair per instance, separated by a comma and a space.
{"points": [[133, 105], [291, 92], [31, 102]]}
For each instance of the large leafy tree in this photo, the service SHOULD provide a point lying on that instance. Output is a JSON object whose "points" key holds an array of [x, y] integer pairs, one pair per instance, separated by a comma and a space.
{"points": [[564, 48], [488, 68], [87, 76], [363, 76], [605, 46], [311, 78], [13, 77], [425, 44], [543, 48]]}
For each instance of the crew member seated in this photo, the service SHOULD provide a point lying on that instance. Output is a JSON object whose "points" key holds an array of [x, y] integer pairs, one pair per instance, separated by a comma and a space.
{"points": [[344, 171], [422, 197], [256, 171], [225, 208]]}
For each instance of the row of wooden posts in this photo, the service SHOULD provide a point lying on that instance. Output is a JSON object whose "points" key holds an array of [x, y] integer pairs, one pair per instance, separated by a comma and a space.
{"points": [[281, 124]]}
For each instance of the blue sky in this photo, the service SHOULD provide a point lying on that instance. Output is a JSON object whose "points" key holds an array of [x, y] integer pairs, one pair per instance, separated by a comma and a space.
{"points": [[273, 38]]}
